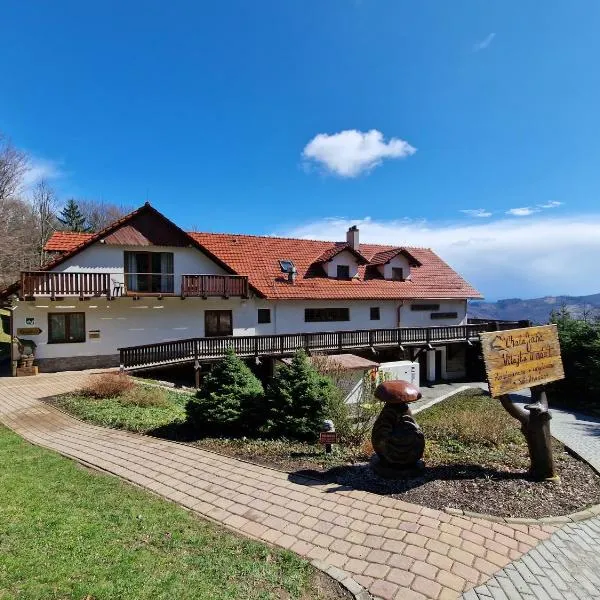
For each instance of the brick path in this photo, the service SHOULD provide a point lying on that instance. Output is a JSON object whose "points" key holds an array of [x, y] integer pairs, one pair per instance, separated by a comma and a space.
{"points": [[564, 567], [395, 549]]}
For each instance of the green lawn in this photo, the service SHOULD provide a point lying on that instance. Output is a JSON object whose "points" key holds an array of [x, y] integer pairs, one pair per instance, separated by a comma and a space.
{"points": [[67, 533]]}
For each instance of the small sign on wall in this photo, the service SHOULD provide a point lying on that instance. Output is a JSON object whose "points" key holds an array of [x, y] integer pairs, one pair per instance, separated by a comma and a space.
{"points": [[94, 334], [29, 321], [28, 331]]}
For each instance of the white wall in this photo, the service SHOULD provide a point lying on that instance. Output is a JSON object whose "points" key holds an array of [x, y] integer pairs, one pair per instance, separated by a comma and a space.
{"points": [[410, 318], [398, 261], [343, 258], [290, 315], [128, 322], [101, 258]]}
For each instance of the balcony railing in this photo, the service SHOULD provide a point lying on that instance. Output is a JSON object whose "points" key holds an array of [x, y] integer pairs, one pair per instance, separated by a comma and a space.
{"points": [[206, 286], [190, 350], [66, 283], [50, 283]]}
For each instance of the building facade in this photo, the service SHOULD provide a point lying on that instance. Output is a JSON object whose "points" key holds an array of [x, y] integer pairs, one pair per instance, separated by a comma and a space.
{"points": [[143, 281]]}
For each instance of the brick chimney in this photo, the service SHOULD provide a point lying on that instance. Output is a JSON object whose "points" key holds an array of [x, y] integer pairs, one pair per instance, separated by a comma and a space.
{"points": [[352, 237]]}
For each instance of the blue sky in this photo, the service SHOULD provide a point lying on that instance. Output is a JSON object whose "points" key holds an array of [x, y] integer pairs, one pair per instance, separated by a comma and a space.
{"points": [[302, 117]]}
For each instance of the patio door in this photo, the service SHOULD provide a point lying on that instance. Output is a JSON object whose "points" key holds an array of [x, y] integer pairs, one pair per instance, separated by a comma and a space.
{"points": [[218, 323]]}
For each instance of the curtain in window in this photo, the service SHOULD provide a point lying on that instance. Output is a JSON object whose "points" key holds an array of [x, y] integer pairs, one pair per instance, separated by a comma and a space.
{"points": [[131, 267], [166, 269], [57, 328], [76, 327]]}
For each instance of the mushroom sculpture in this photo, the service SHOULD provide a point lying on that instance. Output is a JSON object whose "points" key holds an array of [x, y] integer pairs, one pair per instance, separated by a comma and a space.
{"points": [[398, 441]]}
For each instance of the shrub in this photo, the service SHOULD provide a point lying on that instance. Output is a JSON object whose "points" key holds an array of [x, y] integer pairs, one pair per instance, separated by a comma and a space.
{"points": [[228, 401], [297, 399], [145, 397], [580, 350], [353, 422], [107, 385]]}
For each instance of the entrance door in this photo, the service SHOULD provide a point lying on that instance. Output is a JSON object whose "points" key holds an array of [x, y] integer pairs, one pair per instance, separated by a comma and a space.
{"points": [[218, 323]]}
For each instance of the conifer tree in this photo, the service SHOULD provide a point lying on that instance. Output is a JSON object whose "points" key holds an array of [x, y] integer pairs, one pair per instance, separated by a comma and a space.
{"points": [[228, 396], [72, 218], [297, 400]]}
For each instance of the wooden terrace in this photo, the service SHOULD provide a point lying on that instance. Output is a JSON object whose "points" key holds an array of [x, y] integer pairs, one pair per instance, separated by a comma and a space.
{"points": [[207, 349]]}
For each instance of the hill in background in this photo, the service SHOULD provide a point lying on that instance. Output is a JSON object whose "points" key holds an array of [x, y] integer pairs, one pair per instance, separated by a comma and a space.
{"points": [[537, 309]]}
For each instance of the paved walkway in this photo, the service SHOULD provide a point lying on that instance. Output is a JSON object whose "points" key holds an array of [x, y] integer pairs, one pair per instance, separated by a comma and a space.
{"points": [[564, 567], [579, 432], [395, 549]]}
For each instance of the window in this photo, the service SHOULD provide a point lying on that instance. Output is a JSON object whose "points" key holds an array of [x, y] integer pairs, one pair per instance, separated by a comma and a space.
{"points": [[375, 313], [218, 323], [397, 273], [317, 315], [149, 272], [343, 272], [425, 307], [286, 266], [264, 315], [444, 315], [66, 328]]}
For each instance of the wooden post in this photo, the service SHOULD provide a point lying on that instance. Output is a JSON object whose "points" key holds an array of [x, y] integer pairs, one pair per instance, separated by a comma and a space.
{"points": [[535, 427]]}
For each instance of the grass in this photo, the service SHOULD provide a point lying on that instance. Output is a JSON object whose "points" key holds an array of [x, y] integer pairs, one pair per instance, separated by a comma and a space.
{"points": [[472, 428], [67, 533], [141, 409]]}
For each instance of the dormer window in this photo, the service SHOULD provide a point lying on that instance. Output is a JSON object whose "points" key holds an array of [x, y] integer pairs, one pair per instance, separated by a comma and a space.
{"points": [[397, 274], [343, 272]]}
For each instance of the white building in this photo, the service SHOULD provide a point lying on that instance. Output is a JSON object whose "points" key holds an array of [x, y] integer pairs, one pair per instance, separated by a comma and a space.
{"points": [[144, 281]]}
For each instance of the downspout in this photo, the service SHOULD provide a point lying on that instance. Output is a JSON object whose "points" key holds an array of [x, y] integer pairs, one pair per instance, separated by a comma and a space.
{"points": [[398, 320]]}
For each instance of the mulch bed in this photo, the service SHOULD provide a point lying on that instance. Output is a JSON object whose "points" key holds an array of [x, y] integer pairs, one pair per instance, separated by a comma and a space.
{"points": [[494, 490]]}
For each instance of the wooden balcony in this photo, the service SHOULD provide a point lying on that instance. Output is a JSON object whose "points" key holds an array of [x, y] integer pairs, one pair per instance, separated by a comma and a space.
{"points": [[112, 285], [58, 284], [205, 286], [211, 348]]}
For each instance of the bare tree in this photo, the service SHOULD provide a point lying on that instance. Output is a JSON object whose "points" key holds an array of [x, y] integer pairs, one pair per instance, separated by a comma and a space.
{"points": [[13, 166], [43, 203], [100, 214]]}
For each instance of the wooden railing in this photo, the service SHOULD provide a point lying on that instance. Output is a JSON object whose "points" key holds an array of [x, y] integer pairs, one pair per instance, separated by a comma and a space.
{"points": [[65, 283], [209, 348], [50, 283], [205, 286]]}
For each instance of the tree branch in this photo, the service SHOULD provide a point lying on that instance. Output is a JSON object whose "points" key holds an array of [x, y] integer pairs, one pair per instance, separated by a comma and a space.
{"points": [[513, 410]]}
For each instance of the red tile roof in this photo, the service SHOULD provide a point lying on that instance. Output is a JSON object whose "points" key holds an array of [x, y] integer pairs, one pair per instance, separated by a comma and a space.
{"points": [[65, 241], [258, 257], [381, 258], [338, 248]]}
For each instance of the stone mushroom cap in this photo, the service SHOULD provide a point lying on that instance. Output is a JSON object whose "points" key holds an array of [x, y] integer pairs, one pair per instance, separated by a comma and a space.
{"points": [[397, 392]]}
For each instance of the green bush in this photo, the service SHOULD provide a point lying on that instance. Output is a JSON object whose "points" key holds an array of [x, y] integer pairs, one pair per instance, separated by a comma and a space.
{"points": [[580, 350], [228, 403], [297, 399]]}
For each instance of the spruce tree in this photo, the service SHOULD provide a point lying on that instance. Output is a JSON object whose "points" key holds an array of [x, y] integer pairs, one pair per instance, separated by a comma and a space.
{"points": [[228, 397], [297, 400], [72, 218]]}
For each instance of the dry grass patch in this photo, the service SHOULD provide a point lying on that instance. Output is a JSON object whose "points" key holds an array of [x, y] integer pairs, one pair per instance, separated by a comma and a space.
{"points": [[107, 385]]}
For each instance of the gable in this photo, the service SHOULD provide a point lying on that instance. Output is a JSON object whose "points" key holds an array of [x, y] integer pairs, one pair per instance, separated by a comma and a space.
{"points": [[147, 229]]}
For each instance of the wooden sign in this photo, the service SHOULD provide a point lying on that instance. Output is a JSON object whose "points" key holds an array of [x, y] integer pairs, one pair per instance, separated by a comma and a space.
{"points": [[28, 331], [521, 358], [328, 437]]}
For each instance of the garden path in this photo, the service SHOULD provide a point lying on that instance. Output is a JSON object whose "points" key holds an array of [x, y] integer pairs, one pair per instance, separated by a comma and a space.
{"points": [[393, 548]]}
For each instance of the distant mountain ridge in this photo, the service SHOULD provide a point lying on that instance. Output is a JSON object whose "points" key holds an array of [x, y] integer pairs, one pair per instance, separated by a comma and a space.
{"points": [[536, 309]]}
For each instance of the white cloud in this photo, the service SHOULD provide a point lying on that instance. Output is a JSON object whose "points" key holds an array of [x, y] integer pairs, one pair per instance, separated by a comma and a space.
{"points": [[523, 211], [38, 169], [477, 212], [506, 258], [551, 204], [484, 43], [350, 153]]}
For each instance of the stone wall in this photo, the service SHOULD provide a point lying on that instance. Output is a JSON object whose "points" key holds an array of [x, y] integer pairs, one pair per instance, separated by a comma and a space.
{"points": [[77, 363]]}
